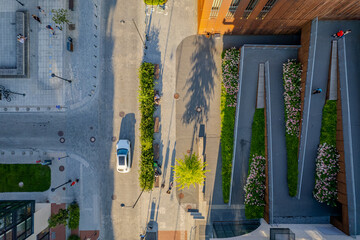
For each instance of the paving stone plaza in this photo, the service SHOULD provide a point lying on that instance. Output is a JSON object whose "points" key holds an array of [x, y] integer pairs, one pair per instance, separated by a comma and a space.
{"points": [[43, 54]]}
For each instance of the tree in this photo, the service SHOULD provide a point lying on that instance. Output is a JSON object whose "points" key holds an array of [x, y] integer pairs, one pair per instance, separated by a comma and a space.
{"points": [[60, 16], [74, 216], [59, 218], [190, 171]]}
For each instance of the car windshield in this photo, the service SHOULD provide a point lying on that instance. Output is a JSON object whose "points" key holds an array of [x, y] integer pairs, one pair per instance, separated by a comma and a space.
{"points": [[121, 160], [122, 151]]}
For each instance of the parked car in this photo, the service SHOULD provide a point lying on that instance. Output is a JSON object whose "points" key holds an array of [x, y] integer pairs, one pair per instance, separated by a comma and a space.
{"points": [[123, 156]]}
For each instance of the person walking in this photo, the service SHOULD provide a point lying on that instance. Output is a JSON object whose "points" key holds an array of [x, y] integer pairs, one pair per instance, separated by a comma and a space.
{"points": [[36, 18], [51, 29], [21, 38], [317, 90], [170, 187], [341, 33], [42, 11]]}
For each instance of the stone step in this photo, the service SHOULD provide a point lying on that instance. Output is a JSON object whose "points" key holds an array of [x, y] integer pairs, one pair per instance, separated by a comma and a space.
{"points": [[198, 217], [193, 210]]}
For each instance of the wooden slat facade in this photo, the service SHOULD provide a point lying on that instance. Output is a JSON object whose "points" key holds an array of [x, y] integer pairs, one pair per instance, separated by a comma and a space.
{"points": [[285, 17], [342, 221]]}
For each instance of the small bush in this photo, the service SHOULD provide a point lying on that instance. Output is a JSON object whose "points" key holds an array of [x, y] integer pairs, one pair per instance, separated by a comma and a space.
{"points": [[74, 216], [327, 168], [74, 237], [155, 2], [230, 76], [328, 123], [190, 171], [292, 91], [146, 99], [60, 218]]}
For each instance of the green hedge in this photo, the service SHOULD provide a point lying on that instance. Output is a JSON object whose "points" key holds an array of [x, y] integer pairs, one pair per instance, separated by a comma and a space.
{"points": [[155, 2], [229, 88], [257, 148], [74, 216], [146, 99]]}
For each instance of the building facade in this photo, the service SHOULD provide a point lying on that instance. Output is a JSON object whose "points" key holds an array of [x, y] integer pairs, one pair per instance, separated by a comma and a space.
{"points": [[269, 16]]}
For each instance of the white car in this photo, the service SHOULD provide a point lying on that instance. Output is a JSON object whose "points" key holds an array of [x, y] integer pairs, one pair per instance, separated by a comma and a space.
{"points": [[123, 156]]}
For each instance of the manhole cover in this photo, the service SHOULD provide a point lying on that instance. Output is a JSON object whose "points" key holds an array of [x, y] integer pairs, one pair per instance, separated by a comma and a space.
{"points": [[61, 168], [92, 139], [122, 114], [21, 184], [113, 139], [188, 151], [62, 140], [113, 197], [64, 188], [181, 195], [91, 128], [60, 133], [176, 96]]}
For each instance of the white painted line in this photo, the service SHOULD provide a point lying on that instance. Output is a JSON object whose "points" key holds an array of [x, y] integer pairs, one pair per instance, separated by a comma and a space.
{"points": [[305, 123], [270, 154], [351, 156], [242, 53]]}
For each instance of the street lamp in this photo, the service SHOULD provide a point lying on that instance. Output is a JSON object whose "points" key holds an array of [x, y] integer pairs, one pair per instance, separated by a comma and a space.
{"points": [[53, 189], [63, 157], [67, 80], [20, 3], [140, 34]]}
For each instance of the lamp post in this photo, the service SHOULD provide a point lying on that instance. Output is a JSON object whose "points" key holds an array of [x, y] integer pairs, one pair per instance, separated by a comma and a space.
{"points": [[63, 157], [20, 3], [67, 80], [139, 34], [53, 189]]}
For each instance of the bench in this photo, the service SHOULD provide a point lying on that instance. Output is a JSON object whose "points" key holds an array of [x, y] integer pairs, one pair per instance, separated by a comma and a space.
{"points": [[156, 125], [156, 151], [156, 181], [71, 5], [157, 71]]}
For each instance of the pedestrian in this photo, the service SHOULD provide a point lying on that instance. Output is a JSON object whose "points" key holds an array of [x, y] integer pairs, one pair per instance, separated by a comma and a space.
{"points": [[59, 27], [42, 11], [317, 90], [170, 187], [51, 29], [74, 182], [36, 18], [341, 33], [21, 38]]}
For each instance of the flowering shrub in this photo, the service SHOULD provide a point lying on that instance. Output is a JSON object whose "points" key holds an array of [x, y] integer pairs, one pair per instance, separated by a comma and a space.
{"points": [[327, 168], [292, 79], [255, 183], [230, 74], [292, 91]]}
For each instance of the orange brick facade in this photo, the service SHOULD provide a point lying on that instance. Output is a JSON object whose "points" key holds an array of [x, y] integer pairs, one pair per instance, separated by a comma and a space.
{"points": [[284, 16]]}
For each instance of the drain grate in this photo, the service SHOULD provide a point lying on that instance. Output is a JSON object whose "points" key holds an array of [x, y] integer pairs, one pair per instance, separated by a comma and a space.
{"points": [[62, 140], [122, 114], [60, 133]]}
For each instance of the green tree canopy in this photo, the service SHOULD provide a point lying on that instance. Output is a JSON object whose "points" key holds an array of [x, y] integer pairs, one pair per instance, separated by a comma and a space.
{"points": [[190, 171], [60, 16]]}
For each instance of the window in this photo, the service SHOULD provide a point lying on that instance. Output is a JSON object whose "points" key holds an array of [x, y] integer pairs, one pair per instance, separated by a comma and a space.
{"points": [[215, 8], [250, 7], [266, 9], [232, 9]]}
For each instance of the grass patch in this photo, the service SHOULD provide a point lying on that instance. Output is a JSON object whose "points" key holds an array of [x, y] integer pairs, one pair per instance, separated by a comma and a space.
{"points": [[257, 148], [229, 90], [146, 99], [155, 2], [328, 123], [36, 178]]}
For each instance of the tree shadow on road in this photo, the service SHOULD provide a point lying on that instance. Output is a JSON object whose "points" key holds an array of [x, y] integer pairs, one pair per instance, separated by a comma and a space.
{"points": [[200, 83]]}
